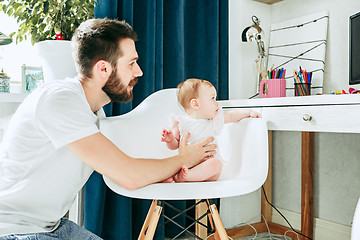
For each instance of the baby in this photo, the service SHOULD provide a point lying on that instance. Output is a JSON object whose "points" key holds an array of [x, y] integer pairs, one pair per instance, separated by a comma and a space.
{"points": [[204, 118]]}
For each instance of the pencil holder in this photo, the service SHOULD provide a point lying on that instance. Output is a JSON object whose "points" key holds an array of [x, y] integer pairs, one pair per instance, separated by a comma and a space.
{"points": [[302, 89], [273, 88]]}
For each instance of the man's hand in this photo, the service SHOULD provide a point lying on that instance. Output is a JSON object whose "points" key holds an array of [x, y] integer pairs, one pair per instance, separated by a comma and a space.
{"points": [[197, 152]]}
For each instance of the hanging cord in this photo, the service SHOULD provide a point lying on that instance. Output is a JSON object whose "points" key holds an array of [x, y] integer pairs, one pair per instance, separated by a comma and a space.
{"points": [[282, 215]]}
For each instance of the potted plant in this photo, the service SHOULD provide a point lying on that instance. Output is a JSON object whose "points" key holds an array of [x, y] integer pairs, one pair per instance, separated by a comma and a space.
{"points": [[44, 20], [47, 19]]}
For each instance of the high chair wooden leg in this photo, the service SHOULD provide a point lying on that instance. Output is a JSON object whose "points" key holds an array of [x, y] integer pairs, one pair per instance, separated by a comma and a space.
{"points": [[209, 215], [200, 230], [220, 232], [148, 229]]}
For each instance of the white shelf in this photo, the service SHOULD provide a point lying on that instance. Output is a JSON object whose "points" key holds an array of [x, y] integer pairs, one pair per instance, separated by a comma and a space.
{"points": [[12, 97], [313, 100]]}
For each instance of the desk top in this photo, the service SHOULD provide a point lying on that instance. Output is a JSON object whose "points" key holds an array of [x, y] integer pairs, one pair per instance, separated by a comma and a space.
{"points": [[314, 100], [317, 113]]}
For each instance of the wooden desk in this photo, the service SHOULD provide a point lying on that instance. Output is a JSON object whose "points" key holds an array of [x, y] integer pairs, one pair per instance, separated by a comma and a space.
{"points": [[309, 114]]}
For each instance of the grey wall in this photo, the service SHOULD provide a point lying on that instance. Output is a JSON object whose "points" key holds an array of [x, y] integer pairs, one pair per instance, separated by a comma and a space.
{"points": [[336, 175]]}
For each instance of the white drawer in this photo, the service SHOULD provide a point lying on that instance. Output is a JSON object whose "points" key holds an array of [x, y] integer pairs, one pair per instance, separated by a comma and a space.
{"points": [[325, 118]]}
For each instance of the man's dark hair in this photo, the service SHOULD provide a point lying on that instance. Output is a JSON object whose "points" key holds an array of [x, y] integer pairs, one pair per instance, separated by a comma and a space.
{"points": [[98, 39]]}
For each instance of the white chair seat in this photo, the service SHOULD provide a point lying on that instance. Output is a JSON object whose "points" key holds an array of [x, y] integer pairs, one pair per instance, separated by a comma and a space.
{"points": [[240, 139], [186, 191]]}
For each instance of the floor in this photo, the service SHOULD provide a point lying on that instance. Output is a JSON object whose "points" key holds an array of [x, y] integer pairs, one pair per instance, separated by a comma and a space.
{"points": [[259, 237], [193, 238]]}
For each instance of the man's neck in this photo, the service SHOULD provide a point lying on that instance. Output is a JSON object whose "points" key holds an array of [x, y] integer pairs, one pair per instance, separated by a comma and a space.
{"points": [[95, 96]]}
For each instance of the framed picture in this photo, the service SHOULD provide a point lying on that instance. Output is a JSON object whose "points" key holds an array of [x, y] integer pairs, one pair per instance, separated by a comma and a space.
{"points": [[32, 77]]}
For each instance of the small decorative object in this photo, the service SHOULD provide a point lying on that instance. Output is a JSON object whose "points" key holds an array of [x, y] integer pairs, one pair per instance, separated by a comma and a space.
{"points": [[263, 73], [59, 36], [4, 82], [354, 91], [32, 77]]}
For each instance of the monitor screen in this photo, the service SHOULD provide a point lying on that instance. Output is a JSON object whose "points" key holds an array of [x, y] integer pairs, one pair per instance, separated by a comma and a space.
{"points": [[354, 74]]}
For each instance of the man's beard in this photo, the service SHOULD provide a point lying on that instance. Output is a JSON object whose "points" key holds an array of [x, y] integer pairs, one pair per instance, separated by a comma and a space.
{"points": [[116, 90]]}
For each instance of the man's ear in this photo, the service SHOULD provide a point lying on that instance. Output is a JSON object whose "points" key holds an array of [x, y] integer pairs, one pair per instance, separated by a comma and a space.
{"points": [[103, 69], [194, 104]]}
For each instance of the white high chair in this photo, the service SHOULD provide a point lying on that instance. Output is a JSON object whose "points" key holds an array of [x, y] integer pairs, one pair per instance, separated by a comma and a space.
{"points": [[243, 145]]}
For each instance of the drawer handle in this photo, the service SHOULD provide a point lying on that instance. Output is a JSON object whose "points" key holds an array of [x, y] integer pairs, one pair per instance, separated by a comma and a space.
{"points": [[307, 117]]}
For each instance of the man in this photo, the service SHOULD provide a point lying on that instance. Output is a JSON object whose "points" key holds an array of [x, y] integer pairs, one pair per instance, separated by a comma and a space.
{"points": [[53, 143]]}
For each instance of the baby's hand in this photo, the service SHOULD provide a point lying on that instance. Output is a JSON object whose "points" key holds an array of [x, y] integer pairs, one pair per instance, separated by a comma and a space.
{"points": [[166, 135], [254, 114]]}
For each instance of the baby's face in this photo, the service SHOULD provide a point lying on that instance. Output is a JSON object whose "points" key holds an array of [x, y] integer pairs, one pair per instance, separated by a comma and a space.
{"points": [[208, 107]]}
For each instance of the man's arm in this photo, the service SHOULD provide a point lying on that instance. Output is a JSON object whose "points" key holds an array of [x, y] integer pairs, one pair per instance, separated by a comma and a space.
{"points": [[238, 114], [104, 157]]}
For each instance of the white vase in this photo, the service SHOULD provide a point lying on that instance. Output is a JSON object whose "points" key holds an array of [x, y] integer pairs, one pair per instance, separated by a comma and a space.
{"points": [[56, 59]]}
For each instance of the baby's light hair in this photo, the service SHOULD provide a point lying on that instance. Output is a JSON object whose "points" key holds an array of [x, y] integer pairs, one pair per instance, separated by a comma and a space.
{"points": [[189, 89]]}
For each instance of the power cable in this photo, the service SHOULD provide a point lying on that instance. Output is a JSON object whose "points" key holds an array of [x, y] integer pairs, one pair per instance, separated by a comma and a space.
{"points": [[282, 215]]}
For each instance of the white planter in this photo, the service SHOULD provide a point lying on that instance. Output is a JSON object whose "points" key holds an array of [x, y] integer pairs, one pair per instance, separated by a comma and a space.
{"points": [[56, 58]]}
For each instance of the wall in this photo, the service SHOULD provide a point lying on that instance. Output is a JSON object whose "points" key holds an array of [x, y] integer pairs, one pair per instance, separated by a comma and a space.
{"points": [[337, 49], [242, 55], [337, 164]]}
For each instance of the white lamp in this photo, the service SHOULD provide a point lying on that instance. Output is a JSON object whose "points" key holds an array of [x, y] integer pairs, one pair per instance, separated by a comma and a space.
{"points": [[255, 33], [4, 39]]}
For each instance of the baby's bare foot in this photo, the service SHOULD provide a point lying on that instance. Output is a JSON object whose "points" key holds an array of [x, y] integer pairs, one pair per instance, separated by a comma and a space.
{"points": [[182, 175]]}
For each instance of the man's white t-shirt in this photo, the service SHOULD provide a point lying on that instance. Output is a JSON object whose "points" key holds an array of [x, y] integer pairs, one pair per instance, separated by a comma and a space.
{"points": [[39, 175]]}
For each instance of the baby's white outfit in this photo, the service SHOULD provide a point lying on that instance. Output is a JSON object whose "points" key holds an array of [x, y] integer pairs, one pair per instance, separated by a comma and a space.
{"points": [[200, 129]]}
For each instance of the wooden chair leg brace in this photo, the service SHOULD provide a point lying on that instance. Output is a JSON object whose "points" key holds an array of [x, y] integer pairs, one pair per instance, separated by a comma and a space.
{"points": [[148, 229]]}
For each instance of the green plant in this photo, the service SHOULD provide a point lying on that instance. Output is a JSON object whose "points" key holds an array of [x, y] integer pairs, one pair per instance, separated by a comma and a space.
{"points": [[43, 19]]}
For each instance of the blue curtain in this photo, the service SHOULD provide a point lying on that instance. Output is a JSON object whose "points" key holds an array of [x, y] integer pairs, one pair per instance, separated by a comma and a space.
{"points": [[178, 39]]}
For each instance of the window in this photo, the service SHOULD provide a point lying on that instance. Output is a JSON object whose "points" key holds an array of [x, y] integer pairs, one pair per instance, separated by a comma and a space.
{"points": [[13, 56]]}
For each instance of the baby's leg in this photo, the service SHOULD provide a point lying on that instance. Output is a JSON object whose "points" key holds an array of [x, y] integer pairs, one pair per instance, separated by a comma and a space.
{"points": [[169, 180], [181, 176], [208, 170]]}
